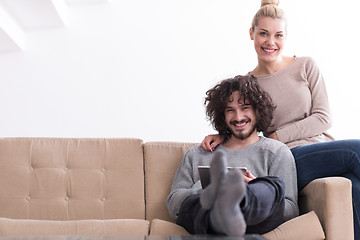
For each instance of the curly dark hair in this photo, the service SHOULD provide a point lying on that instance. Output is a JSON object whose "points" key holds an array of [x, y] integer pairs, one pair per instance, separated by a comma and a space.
{"points": [[218, 97]]}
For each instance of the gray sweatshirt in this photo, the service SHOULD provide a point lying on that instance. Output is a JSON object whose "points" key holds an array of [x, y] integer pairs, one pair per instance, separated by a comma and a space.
{"points": [[266, 157]]}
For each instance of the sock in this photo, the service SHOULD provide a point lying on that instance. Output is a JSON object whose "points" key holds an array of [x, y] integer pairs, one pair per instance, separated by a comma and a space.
{"points": [[217, 172], [226, 216]]}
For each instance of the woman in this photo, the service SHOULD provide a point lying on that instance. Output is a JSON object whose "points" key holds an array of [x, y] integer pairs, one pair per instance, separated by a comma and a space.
{"points": [[302, 117]]}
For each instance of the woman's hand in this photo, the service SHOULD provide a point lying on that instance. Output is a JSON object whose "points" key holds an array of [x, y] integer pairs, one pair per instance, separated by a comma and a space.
{"points": [[211, 141]]}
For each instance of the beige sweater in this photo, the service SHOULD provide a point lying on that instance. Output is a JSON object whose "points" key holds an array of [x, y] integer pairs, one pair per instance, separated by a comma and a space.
{"points": [[302, 115]]}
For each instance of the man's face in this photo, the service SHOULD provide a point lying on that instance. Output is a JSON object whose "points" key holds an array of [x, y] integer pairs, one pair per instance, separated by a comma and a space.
{"points": [[240, 116]]}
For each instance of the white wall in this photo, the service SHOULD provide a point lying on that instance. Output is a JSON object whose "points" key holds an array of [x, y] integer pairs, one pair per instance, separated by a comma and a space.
{"points": [[141, 68]]}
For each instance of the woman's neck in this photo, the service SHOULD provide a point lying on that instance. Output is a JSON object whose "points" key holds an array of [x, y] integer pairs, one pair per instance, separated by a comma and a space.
{"points": [[265, 68]]}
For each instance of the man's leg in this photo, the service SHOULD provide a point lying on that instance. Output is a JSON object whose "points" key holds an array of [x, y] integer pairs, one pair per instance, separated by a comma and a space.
{"points": [[262, 208], [220, 200], [261, 203], [226, 216], [264, 204], [217, 172], [194, 213], [193, 217]]}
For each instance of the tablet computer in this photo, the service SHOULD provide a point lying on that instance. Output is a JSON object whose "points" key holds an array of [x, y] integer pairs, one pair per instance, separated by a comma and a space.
{"points": [[204, 173]]}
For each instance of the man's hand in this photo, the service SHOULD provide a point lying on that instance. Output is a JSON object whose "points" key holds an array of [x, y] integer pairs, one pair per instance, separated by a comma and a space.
{"points": [[211, 141], [248, 177]]}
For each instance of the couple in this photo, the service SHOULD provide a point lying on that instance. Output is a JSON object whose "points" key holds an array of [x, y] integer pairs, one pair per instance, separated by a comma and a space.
{"points": [[302, 117], [236, 202]]}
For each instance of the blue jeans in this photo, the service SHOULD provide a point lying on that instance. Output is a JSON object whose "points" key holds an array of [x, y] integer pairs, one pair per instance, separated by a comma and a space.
{"points": [[328, 159]]}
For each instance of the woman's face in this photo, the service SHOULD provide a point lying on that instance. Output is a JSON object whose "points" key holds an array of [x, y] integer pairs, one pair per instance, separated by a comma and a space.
{"points": [[269, 38]]}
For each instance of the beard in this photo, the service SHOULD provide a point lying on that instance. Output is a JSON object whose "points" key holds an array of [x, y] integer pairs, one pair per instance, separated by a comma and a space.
{"points": [[242, 135]]}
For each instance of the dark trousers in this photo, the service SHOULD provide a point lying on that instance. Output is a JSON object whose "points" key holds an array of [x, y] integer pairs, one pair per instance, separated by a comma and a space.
{"points": [[262, 207], [328, 159]]}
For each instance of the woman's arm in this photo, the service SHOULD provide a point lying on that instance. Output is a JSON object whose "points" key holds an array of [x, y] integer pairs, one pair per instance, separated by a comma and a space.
{"points": [[211, 141], [319, 120]]}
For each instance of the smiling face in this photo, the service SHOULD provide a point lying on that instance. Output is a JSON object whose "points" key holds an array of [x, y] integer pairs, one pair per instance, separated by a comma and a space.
{"points": [[269, 38], [240, 117]]}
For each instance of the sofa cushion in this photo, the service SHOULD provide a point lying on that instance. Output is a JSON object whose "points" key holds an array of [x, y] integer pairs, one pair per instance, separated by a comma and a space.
{"points": [[118, 227], [71, 179], [161, 161], [164, 228], [306, 226]]}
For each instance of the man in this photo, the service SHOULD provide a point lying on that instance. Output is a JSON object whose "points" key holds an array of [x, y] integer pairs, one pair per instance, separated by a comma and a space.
{"points": [[235, 203]]}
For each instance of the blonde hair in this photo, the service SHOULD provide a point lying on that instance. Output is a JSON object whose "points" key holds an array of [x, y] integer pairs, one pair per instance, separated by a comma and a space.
{"points": [[269, 8]]}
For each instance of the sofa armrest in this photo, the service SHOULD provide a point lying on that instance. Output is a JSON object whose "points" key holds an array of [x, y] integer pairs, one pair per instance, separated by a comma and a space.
{"points": [[331, 199]]}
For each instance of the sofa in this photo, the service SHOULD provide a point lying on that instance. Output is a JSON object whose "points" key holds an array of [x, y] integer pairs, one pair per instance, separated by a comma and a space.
{"points": [[118, 187]]}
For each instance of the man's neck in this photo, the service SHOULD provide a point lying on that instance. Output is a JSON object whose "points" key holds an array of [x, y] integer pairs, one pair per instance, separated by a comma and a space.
{"points": [[236, 144]]}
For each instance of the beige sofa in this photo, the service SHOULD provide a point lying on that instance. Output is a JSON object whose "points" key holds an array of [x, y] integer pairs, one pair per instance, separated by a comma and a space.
{"points": [[117, 187]]}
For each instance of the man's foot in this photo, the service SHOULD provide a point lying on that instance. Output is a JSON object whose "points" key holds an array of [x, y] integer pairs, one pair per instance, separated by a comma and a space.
{"points": [[226, 216], [217, 172]]}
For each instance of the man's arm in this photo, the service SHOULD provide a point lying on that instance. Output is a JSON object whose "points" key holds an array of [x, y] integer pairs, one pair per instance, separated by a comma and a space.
{"points": [[183, 185], [284, 167]]}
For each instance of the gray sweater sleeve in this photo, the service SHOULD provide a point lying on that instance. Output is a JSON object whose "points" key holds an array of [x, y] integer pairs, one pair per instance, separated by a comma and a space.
{"points": [[183, 185], [284, 167]]}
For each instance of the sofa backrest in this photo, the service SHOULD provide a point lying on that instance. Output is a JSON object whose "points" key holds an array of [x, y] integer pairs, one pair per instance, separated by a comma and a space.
{"points": [[161, 162], [71, 179]]}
